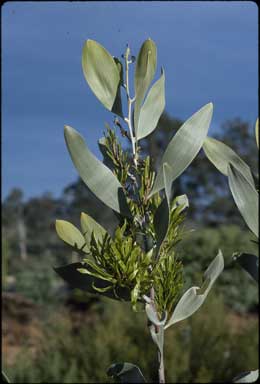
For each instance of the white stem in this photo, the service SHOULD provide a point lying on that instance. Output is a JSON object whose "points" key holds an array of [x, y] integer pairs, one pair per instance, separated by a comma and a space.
{"points": [[130, 101]]}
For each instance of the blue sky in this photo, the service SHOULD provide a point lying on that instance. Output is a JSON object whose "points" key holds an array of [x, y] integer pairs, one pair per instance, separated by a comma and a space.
{"points": [[209, 51]]}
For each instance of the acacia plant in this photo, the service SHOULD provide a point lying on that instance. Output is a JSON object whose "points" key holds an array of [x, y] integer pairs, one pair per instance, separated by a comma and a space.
{"points": [[245, 195], [138, 261]]}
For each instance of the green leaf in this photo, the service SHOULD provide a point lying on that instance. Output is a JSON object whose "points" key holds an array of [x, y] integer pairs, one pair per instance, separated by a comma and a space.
{"points": [[249, 262], [257, 132], [70, 234], [101, 73], [85, 282], [247, 377], [99, 178], [5, 378], [89, 226], [120, 70], [191, 301], [126, 373], [70, 273], [162, 214], [221, 155], [103, 149], [98, 274], [245, 196], [181, 201], [144, 73], [152, 109], [102, 290], [185, 145]]}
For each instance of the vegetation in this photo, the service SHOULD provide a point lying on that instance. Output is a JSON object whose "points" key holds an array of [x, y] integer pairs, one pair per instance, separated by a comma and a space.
{"points": [[137, 243], [70, 352]]}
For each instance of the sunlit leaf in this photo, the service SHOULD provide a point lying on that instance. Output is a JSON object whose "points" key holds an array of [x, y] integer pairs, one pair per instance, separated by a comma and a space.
{"points": [[194, 297], [70, 234], [144, 73], [247, 377], [89, 226], [101, 73], [126, 373], [181, 201], [185, 145], [221, 156], [246, 198], [152, 108], [99, 178], [153, 316]]}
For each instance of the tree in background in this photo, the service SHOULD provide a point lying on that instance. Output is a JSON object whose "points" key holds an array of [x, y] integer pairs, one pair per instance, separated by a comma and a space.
{"points": [[208, 187], [210, 198], [14, 222]]}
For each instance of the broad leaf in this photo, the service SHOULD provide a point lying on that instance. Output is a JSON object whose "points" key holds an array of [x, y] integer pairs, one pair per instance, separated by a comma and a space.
{"points": [[126, 373], [152, 109], [85, 282], [247, 377], [89, 226], [246, 198], [144, 73], [221, 156], [194, 297], [99, 178], [101, 73], [185, 145], [158, 339], [157, 334], [70, 234], [162, 214], [249, 262], [153, 316]]}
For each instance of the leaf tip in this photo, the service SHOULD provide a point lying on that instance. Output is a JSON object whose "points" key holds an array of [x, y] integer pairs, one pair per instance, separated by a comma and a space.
{"points": [[58, 223], [82, 215], [89, 41], [68, 129], [58, 227]]}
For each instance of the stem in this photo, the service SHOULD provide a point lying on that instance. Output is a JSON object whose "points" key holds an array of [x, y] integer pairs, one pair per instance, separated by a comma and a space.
{"points": [[156, 327], [130, 101], [160, 355], [128, 120]]}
